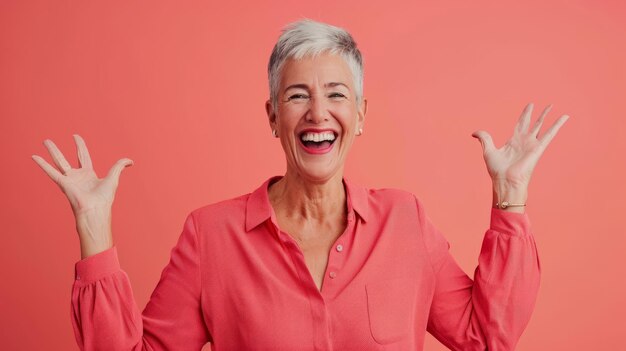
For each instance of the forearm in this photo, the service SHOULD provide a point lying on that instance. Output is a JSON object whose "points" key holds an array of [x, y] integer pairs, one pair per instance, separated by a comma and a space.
{"points": [[105, 314], [492, 311], [506, 281]]}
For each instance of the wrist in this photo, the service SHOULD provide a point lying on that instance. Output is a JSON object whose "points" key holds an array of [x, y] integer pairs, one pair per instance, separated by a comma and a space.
{"points": [[94, 231], [511, 193]]}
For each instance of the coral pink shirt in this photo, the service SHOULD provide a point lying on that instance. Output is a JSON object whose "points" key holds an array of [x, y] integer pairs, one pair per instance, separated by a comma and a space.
{"points": [[237, 280]]}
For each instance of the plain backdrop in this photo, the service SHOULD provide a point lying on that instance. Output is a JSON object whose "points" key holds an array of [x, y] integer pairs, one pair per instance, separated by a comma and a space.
{"points": [[180, 86]]}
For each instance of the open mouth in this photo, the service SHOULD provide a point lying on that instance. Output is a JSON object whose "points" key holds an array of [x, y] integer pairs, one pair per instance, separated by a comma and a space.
{"points": [[318, 140]]}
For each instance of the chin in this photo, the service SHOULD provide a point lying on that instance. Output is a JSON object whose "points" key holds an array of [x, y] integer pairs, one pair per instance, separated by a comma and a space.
{"points": [[320, 173]]}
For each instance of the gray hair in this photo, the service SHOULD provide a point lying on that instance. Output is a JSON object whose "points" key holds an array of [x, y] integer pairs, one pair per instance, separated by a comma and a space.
{"points": [[311, 38]]}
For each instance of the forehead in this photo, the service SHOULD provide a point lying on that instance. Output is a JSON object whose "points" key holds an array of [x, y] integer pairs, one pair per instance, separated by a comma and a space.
{"points": [[310, 70]]}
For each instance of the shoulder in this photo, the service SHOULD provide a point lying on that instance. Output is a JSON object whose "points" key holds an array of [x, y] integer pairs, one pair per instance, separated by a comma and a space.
{"points": [[392, 200], [232, 209], [390, 195]]}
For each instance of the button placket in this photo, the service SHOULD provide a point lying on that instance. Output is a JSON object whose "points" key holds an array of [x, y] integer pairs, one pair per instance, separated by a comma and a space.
{"points": [[337, 258], [332, 271]]}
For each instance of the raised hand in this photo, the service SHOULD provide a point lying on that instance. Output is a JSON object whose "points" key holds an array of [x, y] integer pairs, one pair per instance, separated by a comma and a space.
{"points": [[90, 197], [512, 165]]}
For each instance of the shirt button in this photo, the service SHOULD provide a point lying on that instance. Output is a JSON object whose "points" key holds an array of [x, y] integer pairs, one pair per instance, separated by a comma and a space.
{"points": [[339, 247], [332, 275]]}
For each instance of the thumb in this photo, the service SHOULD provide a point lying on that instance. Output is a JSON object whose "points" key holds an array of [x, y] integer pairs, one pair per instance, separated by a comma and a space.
{"points": [[485, 140], [116, 170]]}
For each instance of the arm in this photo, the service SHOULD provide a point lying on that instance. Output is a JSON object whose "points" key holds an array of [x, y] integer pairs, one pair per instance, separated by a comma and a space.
{"points": [[491, 312], [104, 313], [105, 316]]}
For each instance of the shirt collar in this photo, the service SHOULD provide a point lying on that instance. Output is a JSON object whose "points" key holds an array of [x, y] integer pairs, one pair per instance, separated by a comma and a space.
{"points": [[258, 208]]}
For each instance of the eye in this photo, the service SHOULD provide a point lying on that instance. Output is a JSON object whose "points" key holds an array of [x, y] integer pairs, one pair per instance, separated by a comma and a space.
{"points": [[336, 95], [297, 97]]}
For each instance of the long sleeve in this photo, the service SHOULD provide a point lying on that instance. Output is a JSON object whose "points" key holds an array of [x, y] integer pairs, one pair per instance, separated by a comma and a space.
{"points": [[105, 315], [491, 311]]}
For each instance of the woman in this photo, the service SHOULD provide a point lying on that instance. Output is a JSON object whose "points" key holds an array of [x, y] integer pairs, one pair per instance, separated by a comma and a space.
{"points": [[309, 260]]}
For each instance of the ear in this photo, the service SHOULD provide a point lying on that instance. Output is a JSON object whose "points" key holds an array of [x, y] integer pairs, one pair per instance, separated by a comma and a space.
{"points": [[361, 113], [271, 115]]}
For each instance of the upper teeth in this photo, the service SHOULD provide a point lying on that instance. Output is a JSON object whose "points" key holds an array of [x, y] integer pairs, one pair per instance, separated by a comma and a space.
{"points": [[317, 137]]}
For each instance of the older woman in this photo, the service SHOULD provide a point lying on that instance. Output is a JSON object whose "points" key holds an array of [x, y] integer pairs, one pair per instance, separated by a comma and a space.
{"points": [[309, 260]]}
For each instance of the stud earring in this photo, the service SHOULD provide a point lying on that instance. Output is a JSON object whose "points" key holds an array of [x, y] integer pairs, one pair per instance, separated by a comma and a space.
{"points": [[274, 133], [360, 131]]}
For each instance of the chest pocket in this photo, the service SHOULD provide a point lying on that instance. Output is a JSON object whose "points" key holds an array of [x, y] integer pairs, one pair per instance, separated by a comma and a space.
{"points": [[391, 309]]}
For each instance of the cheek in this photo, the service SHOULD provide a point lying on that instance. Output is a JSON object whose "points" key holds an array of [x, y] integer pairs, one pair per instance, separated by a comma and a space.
{"points": [[284, 124], [288, 118], [346, 115], [349, 124]]}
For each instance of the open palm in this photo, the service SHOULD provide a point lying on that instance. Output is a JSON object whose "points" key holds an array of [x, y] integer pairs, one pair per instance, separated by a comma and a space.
{"points": [[84, 190], [91, 198], [515, 161]]}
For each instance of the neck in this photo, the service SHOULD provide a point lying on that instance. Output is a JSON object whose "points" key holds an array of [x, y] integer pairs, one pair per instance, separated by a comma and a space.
{"points": [[298, 198]]}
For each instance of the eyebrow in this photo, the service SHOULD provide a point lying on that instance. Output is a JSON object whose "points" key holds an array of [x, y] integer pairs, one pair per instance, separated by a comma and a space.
{"points": [[327, 85]]}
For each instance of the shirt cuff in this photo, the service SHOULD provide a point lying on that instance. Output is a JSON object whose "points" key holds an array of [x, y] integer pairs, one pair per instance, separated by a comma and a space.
{"points": [[97, 266], [507, 222]]}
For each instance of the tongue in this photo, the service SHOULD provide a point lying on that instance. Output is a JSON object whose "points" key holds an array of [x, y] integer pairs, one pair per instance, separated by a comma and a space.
{"points": [[321, 145]]}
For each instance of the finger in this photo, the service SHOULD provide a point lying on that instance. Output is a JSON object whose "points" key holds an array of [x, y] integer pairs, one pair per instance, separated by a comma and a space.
{"points": [[524, 119], [52, 172], [485, 140], [57, 156], [83, 153], [539, 121], [550, 133], [116, 170]]}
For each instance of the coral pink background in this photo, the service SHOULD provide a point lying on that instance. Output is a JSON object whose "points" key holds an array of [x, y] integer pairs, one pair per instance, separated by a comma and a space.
{"points": [[179, 87]]}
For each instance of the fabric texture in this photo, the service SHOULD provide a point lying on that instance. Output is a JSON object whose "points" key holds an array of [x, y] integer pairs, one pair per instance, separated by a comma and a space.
{"points": [[236, 280]]}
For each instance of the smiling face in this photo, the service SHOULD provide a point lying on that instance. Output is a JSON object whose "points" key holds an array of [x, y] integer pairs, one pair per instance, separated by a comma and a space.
{"points": [[317, 116]]}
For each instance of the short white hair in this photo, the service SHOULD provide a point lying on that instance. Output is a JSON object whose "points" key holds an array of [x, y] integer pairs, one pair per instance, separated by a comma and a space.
{"points": [[311, 38]]}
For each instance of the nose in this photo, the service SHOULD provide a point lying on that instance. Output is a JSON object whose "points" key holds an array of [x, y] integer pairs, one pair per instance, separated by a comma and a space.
{"points": [[318, 110]]}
